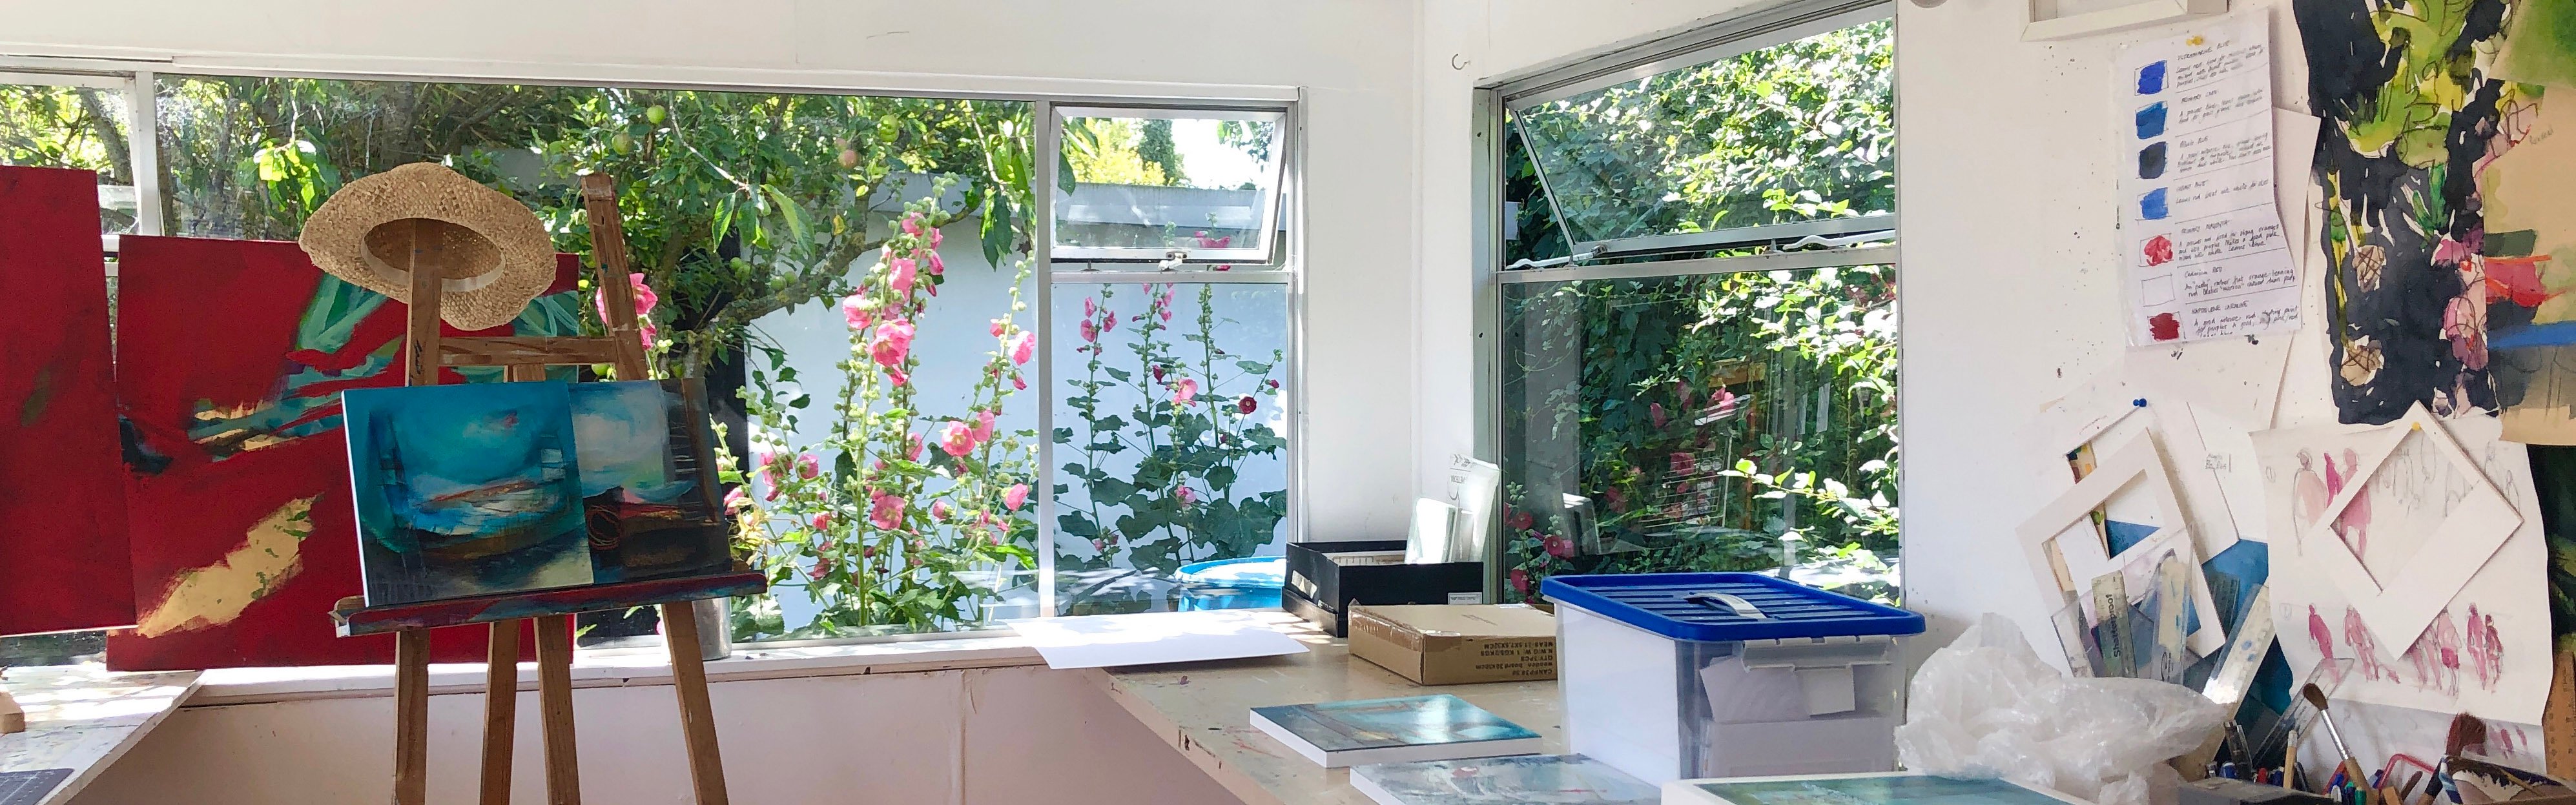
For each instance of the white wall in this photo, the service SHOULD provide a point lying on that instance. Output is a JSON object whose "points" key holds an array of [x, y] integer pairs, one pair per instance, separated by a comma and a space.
{"points": [[1352, 59], [968, 737]]}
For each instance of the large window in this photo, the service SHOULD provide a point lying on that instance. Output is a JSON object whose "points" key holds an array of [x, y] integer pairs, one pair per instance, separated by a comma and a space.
{"points": [[1696, 364], [931, 427]]}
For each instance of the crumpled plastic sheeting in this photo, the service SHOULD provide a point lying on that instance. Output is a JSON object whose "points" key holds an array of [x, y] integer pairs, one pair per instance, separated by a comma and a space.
{"points": [[1986, 706]]}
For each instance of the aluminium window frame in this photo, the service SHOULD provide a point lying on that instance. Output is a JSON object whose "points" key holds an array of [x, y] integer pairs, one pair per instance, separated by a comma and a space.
{"points": [[1768, 27], [1268, 227], [138, 78], [1869, 239], [142, 114]]}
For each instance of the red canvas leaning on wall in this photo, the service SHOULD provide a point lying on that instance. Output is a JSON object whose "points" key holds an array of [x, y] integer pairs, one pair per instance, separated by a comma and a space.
{"points": [[232, 355], [63, 560]]}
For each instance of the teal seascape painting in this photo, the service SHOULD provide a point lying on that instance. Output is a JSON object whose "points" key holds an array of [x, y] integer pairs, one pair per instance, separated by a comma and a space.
{"points": [[646, 457], [1381, 723], [465, 490], [1887, 789]]}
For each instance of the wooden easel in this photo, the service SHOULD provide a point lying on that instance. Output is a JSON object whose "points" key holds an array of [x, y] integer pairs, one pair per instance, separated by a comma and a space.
{"points": [[425, 352]]}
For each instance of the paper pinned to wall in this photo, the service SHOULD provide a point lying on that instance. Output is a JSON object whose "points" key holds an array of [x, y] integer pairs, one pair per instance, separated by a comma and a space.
{"points": [[2200, 231], [2486, 652], [2239, 379]]}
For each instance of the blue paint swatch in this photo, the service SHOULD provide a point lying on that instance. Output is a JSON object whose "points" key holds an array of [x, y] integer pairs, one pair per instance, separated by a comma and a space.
{"points": [[2151, 79], [2151, 121], [2151, 207], [2151, 161]]}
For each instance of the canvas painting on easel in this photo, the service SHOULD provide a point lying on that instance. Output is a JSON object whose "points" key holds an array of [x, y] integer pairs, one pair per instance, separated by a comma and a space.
{"points": [[645, 457], [466, 490]]}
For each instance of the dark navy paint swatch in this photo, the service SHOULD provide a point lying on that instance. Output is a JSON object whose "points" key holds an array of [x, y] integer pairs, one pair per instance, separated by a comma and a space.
{"points": [[2151, 161]]}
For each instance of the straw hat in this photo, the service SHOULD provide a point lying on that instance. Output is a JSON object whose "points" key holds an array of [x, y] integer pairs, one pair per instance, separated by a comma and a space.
{"points": [[494, 254]]}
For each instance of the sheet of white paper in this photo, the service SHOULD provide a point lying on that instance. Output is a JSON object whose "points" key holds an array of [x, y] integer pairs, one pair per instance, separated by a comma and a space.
{"points": [[2486, 653], [1152, 638], [2200, 232], [2239, 379], [2229, 458], [2108, 411], [2294, 148]]}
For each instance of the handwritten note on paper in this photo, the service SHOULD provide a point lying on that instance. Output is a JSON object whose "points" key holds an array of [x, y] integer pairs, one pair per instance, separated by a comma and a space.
{"points": [[2200, 230]]}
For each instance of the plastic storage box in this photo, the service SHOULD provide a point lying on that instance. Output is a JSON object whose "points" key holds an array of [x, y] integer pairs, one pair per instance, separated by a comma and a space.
{"points": [[1680, 675]]}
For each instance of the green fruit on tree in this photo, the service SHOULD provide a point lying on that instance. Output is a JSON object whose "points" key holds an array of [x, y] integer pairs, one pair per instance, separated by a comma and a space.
{"points": [[655, 114], [621, 143], [849, 158]]}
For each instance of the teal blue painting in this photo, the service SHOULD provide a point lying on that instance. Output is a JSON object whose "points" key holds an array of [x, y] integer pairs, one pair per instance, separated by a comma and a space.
{"points": [[1889, 789], [1383, 723], [465, 490], [647, 484]]}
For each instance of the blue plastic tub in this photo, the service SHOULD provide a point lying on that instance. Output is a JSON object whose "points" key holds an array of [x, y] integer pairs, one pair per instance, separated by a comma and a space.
{"points": [[1252, 582]]}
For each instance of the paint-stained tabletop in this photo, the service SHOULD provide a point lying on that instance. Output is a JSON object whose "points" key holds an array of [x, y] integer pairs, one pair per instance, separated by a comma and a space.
{"points": [[1205, 711], [84, 718]]}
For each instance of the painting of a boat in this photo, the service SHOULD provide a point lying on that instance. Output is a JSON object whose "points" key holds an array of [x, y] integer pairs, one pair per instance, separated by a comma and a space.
{"points": [[466, 490]]}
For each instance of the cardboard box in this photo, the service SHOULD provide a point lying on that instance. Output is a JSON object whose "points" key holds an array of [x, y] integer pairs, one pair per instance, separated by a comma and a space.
{"points": [[1453, 645]]}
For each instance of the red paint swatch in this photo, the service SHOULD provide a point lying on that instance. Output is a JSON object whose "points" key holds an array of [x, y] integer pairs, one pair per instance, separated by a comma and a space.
{"points": [[2164, 327]]}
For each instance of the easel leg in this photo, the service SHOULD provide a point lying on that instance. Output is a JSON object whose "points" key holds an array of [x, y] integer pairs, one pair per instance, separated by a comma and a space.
{"points": [[500, 711], [411, 717], [697, 717], [554, 699]]}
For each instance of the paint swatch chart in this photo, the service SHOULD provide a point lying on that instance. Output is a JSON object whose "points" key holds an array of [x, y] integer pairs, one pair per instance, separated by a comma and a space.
{"points": [[2200, 233]]}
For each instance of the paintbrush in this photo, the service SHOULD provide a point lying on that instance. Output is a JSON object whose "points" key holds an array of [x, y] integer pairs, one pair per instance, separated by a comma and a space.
{"points": [[2317, 698], [2467, 733]]}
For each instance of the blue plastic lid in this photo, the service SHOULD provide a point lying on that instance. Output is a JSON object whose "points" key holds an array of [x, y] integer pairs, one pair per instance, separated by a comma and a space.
{"points": [[1711, 607], [1251, 572]]}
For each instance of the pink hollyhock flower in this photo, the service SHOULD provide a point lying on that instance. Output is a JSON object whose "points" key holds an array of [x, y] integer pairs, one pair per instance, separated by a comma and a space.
{"points": [[867, 552], [999, 326], [885, 511], [1109, 321], [892, 342], [1559, 547], [983, 431], [822, 521], [772, 494], [915, 440], [1158, 373], [1019, 385], [934, 238], [736, 499], [939, 510], [912, 225], [1090, 307], [897, 377], [1024, 347], [645, 300], [899, 274], [1090, 331], [933, 264], [819, 570], [858, 311], [1186, 494], [1015, 497], [956, 438], [1246, 405], [1519, 520], [1655, 413], [1167, 314], [807, 467], [1185, 392], [1521, 582]]}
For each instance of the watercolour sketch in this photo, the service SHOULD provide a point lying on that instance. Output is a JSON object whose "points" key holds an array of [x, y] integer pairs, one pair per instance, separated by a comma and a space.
{"points": [[646, 455], [465, 490], [2486, 650], [1523, 780]]}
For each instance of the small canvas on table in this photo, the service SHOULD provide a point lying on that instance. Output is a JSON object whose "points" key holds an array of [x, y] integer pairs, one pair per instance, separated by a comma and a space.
{"points": [[646, 459], [466, 490]]}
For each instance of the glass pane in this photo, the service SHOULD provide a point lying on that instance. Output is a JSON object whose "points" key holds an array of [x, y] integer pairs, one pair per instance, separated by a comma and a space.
{"points": [[1688, 423], [1793, 132], [1156, 183], [73, 127], [1170, 442], [751, 217]]}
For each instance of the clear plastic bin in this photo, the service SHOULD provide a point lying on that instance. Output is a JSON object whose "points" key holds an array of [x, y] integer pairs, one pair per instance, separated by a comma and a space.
{"points": [[1685, 675]]}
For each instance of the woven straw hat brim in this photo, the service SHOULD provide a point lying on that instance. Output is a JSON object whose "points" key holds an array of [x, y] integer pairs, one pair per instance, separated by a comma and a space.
{"points": [[487, 296]]}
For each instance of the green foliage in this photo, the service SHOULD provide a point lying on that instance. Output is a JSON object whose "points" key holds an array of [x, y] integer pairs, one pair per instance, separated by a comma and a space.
{"points": [[1695, 420], [736, 205], [900, 517], [1189, 442], [68, 127], [1791, 132]]}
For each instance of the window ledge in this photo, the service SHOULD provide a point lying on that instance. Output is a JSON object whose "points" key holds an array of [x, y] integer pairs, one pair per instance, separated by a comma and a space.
{"points": [[234, 686]]}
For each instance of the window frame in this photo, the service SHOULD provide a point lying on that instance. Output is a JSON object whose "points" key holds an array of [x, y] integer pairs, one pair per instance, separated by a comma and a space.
{"points": [[1846, 242], [1284, 220], [1271, 218]]}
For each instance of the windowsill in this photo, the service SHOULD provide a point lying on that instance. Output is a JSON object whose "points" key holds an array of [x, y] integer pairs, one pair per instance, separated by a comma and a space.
{"points": [[232, 686]]}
